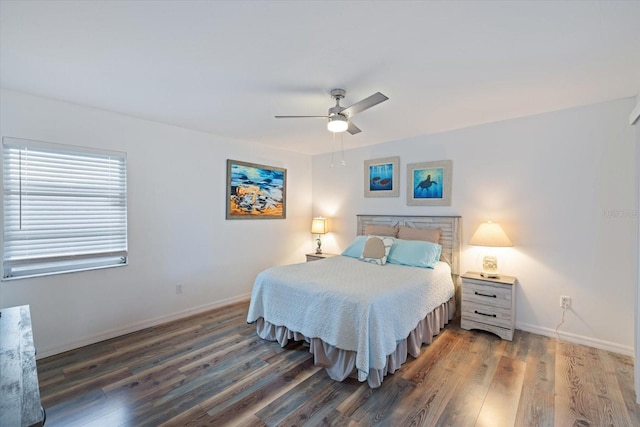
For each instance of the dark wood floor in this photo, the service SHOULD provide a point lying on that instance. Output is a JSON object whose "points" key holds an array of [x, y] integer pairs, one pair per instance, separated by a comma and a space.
{"points": [[212, 369]]}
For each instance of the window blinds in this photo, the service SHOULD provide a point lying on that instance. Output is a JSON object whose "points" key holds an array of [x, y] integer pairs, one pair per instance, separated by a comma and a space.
{"points": [[65, 208]]}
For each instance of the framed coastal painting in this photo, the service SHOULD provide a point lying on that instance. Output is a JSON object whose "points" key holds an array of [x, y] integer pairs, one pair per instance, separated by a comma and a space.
{"points": [[381, 177], [255, 191], [429, 183]]}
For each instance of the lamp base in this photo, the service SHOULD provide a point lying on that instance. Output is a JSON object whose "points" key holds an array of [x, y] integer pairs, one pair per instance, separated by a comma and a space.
{"points": [[490, 267]]}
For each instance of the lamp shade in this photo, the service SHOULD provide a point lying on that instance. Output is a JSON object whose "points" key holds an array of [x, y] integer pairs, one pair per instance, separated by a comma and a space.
{"points": [[319, 226], [490, 234], [337, 123]]}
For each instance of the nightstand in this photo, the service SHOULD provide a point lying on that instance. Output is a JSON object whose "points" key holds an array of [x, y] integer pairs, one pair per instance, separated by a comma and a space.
{"points": [[489, 304], [316, 257]]}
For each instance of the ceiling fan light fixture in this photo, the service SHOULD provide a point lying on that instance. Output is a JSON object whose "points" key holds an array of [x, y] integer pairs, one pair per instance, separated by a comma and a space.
{"points": [[339, 116], [337, 123]]}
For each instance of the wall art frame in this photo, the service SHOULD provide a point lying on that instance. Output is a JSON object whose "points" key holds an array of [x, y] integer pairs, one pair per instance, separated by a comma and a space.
{"points": [[429, 183], [255, 191], [382, 177]]}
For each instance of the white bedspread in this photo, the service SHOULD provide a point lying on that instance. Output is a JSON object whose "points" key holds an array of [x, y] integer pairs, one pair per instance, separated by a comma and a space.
{"points": [[350, 304]]}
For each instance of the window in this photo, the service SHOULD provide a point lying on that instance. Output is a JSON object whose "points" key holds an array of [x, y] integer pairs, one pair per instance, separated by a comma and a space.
{"points": [[65, 208]]}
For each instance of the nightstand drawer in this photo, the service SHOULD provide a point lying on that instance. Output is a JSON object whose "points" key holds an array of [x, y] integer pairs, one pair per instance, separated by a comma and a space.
{"points": [[498, 316], [497, 296]]}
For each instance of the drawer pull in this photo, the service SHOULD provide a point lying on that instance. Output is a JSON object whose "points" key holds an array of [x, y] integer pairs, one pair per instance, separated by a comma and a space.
{"points": [[484, 314], [485, 295]]}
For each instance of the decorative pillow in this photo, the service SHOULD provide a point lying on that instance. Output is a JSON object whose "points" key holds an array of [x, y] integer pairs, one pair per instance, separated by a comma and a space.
{"points": [[415, 253], [376, 249], [380, 230], [354, 250], [426, 234]]}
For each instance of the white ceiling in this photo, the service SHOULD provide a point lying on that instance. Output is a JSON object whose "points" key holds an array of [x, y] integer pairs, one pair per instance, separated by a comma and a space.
{"points": [[227, 67]]}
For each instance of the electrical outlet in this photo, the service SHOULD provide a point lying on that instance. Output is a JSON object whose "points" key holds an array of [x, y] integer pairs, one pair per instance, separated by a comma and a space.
{"points": [[565, 302], [178, 289]]}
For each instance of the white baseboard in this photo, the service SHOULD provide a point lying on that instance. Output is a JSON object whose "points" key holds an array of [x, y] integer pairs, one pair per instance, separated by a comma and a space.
{"points": [[577, 339], [50, 351], [547, 332]]}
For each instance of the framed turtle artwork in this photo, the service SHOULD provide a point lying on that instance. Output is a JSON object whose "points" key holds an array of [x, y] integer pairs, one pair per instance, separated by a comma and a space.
{"points": [[429, 183]]}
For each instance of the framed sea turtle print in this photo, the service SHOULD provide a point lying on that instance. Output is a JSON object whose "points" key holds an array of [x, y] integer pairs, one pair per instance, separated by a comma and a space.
{"points": [[429, 183]]}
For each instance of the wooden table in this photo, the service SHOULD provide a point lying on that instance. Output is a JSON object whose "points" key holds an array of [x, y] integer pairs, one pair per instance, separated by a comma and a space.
{"points": [[19, 391]]}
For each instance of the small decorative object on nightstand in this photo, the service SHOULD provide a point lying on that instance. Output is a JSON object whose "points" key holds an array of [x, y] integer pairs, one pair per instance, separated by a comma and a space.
{"points": [[489, 304], [319, 226]]}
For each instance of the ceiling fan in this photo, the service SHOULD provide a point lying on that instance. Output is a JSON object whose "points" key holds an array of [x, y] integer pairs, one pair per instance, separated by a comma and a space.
{"points": [[339, 116]]}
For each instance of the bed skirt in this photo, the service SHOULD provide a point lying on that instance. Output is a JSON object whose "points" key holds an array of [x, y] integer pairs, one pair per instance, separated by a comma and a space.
{"points": [[341, 364]]}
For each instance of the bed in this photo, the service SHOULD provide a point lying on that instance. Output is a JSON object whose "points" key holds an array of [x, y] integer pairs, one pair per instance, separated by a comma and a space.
{"points": [[359, 318]]}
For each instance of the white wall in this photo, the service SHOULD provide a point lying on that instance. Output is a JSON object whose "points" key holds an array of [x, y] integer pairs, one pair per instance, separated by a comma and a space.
{"points": [[562, 186], [634, 119], [177, 228]]}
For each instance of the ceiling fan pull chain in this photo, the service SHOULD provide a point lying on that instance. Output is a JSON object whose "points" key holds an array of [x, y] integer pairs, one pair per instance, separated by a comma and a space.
{"points": [[333, 148], [342, 144]]}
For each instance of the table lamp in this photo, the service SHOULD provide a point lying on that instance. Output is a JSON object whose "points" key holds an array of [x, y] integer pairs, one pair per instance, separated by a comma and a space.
{"points": [[319, 226], [491, 235]]}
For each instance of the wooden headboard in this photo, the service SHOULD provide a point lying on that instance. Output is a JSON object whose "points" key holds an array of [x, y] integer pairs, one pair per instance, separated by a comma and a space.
{"points": [[450, 239]]}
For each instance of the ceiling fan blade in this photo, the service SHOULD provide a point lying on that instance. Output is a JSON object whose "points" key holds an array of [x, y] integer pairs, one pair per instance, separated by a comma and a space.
{"points": [[353, 129], [369, 102], [301, 117]]}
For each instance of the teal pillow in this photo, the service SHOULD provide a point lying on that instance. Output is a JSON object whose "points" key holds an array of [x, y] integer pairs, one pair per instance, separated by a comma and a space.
{"points": [[354, 250], [415, 253]]}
